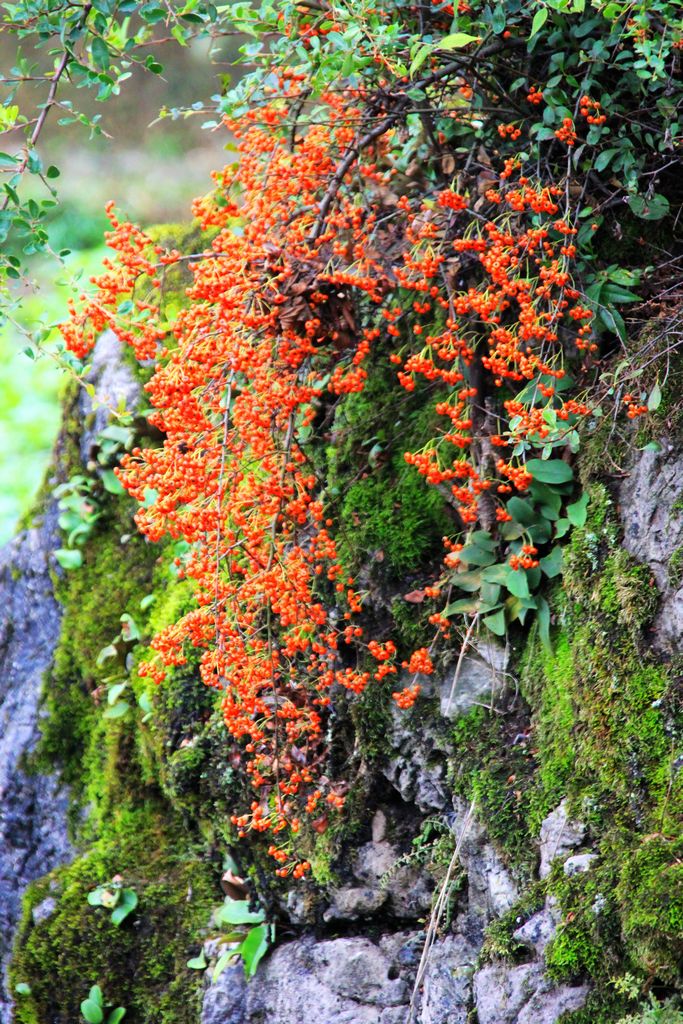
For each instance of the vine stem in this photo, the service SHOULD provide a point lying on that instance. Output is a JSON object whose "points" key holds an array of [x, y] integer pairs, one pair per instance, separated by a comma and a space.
{"points": [[49, 103]]}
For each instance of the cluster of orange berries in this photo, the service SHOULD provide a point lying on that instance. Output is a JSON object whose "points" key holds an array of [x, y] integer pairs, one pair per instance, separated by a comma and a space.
{"points": [[567, 132], [633, 408], [590, 109], [236, 388]]}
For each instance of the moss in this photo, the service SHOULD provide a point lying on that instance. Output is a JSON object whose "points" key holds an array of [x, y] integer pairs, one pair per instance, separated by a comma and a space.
{"points": [[602, 717], [139, 964], [384, 507], [674, 570], [488, 765]]}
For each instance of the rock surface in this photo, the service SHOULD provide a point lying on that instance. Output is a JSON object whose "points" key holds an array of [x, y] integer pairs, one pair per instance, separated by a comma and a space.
{"points": [[33, 836], [649, 506]]}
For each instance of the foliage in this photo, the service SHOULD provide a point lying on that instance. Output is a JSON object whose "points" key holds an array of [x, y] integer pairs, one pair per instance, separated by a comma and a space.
{"points": [[482, 285], [93, 1009], [114, 897]]}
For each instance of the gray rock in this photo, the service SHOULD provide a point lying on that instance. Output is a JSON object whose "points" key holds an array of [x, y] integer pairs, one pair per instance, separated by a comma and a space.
{"points": [[579, 863], [44, 909], [500, 991], [33, 834], [539, 929], [417, 766], [523, 995], [481, 676], [225, 1001], [447, 988], [339, 981], [351, 903], [653, 530], [549, 1003], [558, 837], [491, 890]]}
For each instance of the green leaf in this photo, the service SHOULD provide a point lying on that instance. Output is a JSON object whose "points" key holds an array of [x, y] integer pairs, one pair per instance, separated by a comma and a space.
{"points": [[465, 606], [552, 471], [468, 581], [655, 399], [253, 948], [521, 511], [540, 18], [23, 989], [654, 208], [116, 1015], [126, 906], [552, 563], [238, 912], [474, 555], [69, 558], [111, 482], [100, 53], [496, 623], [517, 583], [577, 512], [92, 1011], [107, 652], [455, 41], [222, 963], [117, 711], [420, 58], [115, 692], [198, 963], [147, 601], [496, 573]]}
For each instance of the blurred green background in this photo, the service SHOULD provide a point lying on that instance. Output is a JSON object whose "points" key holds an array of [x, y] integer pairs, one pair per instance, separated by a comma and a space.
{"points": [[152, 172]]}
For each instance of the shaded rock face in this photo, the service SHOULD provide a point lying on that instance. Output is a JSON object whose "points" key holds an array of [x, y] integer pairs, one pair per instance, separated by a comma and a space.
{"points": [[33, 808], [33, 837], [650, 508], [359, 980]]}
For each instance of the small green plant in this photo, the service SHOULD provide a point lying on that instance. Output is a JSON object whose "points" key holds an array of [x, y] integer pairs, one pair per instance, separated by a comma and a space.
{"points": [[94, 1010], [114, 897], [79, 511], [248, 937], [654, 1012]]}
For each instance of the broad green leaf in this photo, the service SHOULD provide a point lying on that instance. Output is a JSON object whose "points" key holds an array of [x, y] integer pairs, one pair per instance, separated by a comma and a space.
{"points": [[223, 962], [552, 563], [115, 692], [117, 710], [238, 912], [455, 41], [23, 989], [496, 623], [465, 606], [552, 471], [468, 581], [253, 948], [517, 583], [92, 1011], [540, 18], [420, 58], [116, 1015], [521, 511], [126, 906], [69, 558], [577, 512], [496, 573], [655, 398], [111, 482], [198, 963]]}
